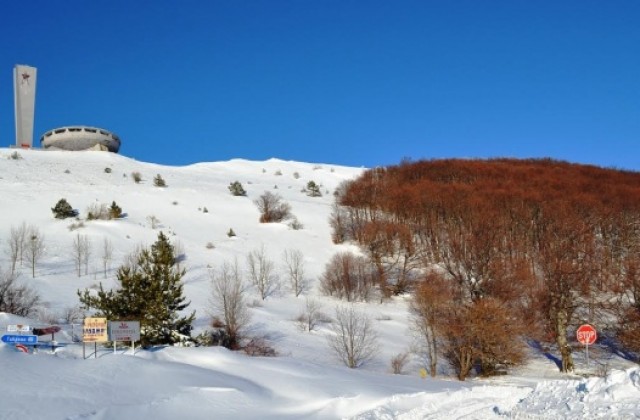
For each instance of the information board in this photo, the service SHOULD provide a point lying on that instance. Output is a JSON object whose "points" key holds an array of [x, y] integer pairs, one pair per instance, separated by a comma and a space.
{"points": [[124, 330], [94, 330]]}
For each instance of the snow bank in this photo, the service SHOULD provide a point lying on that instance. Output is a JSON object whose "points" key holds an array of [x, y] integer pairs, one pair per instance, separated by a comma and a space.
{"points": [[615, 396]]}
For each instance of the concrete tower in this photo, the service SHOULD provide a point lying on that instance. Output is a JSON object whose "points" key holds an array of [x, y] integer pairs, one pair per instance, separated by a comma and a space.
{"points": [[24, 90]]}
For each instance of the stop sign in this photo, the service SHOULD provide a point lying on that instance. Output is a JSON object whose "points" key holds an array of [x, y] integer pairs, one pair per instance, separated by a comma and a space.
{"points": [[586, 334]]}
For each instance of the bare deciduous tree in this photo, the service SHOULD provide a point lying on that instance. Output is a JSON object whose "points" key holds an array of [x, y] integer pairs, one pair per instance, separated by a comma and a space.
{"points": [[16, 241], [86, 256], [310, 315], [398, 362], [565, 261], [227, 301], [72, 314], [427, 306], [272, 208], [354, 339], [260, 269], [348, 276], [16, 299], [627, 306], [294, 266], [66, 315], [98, 211], [81, 251], [481, 334], [107, 255], [131, 260], [13, 249], [153, 221], [34, 248]]}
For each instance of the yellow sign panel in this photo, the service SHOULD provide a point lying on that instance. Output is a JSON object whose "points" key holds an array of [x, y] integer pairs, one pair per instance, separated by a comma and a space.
{"points": [[94, 330]]}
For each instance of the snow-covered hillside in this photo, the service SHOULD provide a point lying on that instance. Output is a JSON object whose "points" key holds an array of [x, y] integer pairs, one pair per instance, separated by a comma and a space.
{"points": [[306, 380]]}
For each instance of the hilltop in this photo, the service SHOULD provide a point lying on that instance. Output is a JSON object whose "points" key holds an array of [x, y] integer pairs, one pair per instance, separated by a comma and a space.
{"points": [[196, 211]]}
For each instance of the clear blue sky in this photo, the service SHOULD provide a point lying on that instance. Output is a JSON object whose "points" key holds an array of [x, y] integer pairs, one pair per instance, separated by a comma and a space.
{"points": [[360, 83]]}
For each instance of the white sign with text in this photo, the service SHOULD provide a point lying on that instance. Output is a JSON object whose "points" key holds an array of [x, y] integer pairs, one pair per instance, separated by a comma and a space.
{"points": [[124, 330]]}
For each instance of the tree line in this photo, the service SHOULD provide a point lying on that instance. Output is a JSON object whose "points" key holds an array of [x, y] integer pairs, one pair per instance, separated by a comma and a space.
{"points": [[498, 251]]}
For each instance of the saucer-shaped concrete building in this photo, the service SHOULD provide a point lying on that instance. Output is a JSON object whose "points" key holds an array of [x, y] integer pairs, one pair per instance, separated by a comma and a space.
{"points": [[77, 138]]}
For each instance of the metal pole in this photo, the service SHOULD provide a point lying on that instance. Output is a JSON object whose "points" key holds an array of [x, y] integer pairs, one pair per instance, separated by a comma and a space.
{"points": [[587, 347], [95, 349]]}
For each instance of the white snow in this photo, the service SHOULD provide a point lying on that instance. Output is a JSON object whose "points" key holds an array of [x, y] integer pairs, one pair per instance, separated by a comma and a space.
{"points": [[305, 380]]}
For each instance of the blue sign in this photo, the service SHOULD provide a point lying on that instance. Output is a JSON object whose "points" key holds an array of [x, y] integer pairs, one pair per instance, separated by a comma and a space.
{"points": [[21, 339]]}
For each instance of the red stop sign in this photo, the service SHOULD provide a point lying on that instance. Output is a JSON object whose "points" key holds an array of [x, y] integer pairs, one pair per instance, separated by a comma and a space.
{"points": [[586, 334]]}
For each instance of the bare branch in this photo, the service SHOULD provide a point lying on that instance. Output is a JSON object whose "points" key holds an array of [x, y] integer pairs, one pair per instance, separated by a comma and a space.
{"points": [[354, 341]]}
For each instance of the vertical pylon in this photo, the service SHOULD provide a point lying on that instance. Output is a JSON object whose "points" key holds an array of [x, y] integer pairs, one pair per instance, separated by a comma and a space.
{"points": [[24, 89]]}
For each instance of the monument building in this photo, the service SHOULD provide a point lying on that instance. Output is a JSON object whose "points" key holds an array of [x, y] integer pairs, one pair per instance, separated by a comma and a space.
{"points": [[73, 138]]}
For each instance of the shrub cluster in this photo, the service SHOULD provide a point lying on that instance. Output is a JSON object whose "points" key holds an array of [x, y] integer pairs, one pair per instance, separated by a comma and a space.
{"points": [[259, 347], [100, 211], [272, 208], [15, 298], [348, 276]]}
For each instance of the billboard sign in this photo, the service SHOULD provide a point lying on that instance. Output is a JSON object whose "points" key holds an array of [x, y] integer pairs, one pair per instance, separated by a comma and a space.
{"points": [[124, 330], [94, 330]]}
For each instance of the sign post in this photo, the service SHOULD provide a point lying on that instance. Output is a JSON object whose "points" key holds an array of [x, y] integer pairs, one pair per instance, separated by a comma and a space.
{"points": [[124, 331], [19, 339], [94, 330], [586, 335]]}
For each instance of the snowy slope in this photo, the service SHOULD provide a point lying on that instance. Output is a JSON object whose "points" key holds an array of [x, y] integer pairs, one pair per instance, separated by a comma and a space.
{"points": [[306, 380]]}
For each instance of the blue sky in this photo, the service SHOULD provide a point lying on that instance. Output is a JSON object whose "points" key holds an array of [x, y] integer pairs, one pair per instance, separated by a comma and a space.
{"points": [[359, 83]]}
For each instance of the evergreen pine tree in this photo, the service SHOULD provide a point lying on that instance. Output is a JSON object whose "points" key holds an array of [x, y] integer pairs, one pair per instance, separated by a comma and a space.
{"points": [[159, 181], [63, 209], [115, 212], [313, 189], [150, 291], [236, 189]]}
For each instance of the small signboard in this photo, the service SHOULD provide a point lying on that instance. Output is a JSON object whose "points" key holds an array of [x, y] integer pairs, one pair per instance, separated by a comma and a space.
{"points": [[20, 339], [18, 328], [94, 330], [124, 330]]}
